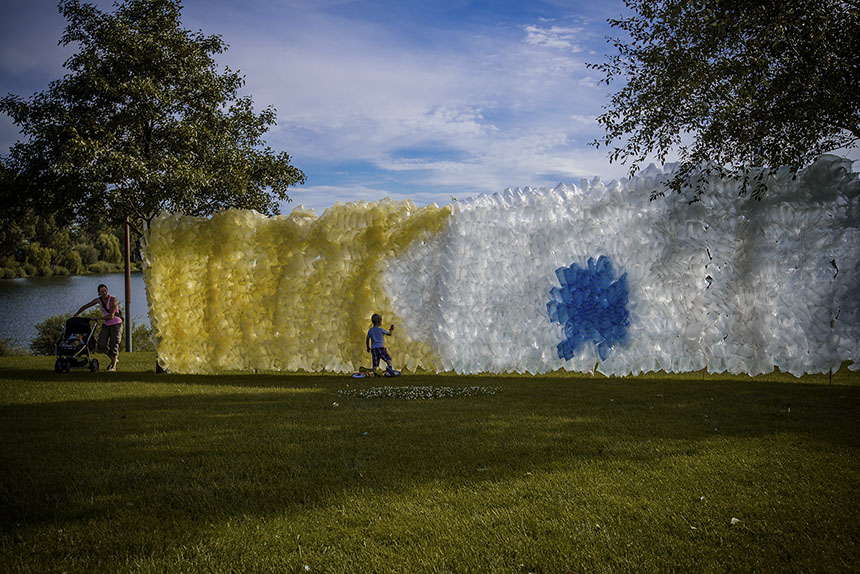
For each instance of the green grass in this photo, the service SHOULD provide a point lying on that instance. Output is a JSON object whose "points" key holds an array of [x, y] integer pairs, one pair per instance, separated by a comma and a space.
{"points": [[142, 472]]}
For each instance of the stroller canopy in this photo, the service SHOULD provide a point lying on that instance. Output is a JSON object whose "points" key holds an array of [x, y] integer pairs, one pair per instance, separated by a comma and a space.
{"points": [[78, 325]]}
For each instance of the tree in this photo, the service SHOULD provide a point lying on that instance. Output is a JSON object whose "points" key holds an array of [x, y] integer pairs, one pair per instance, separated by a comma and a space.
{"points": [[14, 221], [109, 249], [762, 83], [144, 122]]}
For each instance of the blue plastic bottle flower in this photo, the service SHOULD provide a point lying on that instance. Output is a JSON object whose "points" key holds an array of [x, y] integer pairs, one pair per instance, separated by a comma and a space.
{"points": [[591, 306]]}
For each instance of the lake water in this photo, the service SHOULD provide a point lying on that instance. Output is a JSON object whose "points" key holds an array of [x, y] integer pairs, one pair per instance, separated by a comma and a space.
{"points": [[26, 302]]}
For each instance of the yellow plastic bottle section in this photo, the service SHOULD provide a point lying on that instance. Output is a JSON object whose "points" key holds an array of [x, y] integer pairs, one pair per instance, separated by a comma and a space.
{"points": [[242, 291]]}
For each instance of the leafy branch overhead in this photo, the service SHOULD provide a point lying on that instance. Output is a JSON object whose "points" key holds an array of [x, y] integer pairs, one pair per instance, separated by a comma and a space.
{"points": [[733, 84], [145, 121]]}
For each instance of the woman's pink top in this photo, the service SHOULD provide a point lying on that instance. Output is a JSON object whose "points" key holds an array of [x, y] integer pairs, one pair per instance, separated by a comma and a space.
{"points": [[106, 312]]}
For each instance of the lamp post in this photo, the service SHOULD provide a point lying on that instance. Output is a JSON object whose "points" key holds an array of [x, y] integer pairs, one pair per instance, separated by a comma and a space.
{"points": [[127, 315]]}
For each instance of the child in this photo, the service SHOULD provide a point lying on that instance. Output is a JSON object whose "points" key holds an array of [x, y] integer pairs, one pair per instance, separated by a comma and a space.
{"points": [[375, 342], [73, 341]]}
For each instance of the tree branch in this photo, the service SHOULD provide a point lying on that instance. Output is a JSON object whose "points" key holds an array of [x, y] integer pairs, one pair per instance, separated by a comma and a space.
{"points": [[853, 130]]}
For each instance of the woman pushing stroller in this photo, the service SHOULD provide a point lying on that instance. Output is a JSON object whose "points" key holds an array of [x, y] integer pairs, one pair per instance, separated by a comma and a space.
{"points": [[111, 332]]}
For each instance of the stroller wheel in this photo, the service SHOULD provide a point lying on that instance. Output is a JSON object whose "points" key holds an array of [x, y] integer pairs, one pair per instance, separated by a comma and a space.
{"points": [[94, 366], [58, 366]]}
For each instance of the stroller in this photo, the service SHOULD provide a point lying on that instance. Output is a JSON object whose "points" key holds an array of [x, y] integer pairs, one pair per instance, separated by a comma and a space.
{"points": [[75, 344]]}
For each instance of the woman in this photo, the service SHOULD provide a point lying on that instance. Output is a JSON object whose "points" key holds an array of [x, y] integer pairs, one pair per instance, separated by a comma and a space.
{"points": [[111, 332]]}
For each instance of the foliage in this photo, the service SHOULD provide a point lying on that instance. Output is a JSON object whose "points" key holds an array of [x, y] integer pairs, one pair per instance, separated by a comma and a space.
{"points": [[101, 267], [109, 249], [8, 348], [141, 338], [36, 244], [73, 260], [87, 253], [38, 256], [752, 83], [47, 243], [47, 333], [50, 329], [144, 121]]}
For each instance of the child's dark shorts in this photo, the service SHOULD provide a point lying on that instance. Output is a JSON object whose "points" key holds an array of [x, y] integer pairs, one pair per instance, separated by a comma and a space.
{"points": [[379, 353]]}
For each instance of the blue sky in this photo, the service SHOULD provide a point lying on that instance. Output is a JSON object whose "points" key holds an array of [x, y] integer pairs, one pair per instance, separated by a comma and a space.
{"points": [[425, 100], [400, 99]]}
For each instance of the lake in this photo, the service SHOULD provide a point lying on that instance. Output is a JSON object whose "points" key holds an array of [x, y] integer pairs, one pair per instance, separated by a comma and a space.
{"points": [[26, 302]]}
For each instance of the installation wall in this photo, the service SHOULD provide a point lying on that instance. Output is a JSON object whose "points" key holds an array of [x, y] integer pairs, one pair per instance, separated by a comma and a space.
{"points": [[525, 281]]}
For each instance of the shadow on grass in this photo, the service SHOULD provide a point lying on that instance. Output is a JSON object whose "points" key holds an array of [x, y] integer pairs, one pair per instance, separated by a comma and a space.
{"points": [[133, 463], [203, 449]]}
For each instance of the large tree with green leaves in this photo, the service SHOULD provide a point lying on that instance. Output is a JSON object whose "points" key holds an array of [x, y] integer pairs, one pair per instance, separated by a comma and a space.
{"points": [[732, 84], [144, 121]]}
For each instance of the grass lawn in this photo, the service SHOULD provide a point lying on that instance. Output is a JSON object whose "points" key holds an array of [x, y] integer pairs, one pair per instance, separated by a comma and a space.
{"points": [[141, 472]]}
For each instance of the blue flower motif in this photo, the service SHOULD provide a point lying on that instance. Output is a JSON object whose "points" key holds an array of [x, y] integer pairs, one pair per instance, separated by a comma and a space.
{"points": [[591, 306]]}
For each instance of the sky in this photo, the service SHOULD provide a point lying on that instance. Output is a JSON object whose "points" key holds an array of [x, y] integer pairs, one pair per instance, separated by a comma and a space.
{"points": [[427, 100], [422, 100]]}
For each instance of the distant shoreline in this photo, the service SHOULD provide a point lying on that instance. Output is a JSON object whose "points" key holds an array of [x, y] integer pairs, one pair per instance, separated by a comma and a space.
{"points": [[87, 274]]}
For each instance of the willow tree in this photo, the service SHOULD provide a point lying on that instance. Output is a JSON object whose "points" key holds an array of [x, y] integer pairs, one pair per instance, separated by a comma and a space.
{"points": [[732, 84], [144, 121]]}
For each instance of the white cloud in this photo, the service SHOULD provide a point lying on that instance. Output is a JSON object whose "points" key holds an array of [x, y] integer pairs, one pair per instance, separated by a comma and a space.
{"points": [[556, 37], [464, 111], [509, 107]]}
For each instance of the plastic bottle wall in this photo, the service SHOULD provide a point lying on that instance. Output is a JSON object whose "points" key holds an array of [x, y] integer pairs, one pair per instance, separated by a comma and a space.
{"points": [[530, 280]]}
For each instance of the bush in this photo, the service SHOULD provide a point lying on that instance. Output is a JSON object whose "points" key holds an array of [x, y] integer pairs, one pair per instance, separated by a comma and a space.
{"points": [[38, 256], [88, 253], [60, 270], [109, 249], [71, 260], [8, 348], [49, 330], [103, 267], [7, 273], [47, 333], [141, 338]]}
